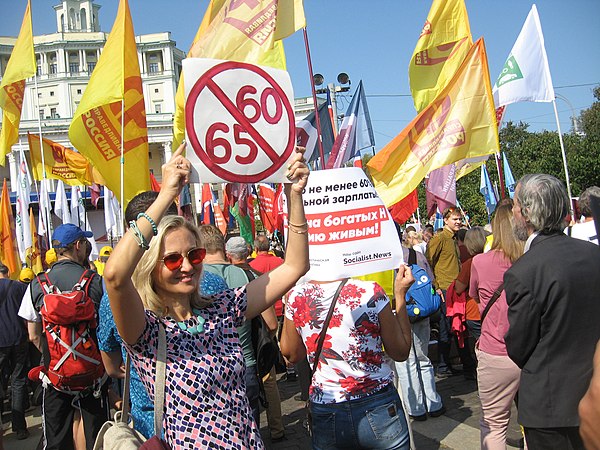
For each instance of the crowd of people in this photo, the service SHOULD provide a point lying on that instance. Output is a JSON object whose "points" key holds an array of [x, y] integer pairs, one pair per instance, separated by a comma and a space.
{"points": [[519, 303]]}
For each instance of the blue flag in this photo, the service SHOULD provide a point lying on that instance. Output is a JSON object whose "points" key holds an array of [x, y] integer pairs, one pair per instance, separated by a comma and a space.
{"points": [[509, 180], [486, 189]]}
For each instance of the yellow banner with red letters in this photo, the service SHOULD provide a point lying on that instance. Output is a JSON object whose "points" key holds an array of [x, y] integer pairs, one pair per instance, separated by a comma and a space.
{"points": [[460, 123]]}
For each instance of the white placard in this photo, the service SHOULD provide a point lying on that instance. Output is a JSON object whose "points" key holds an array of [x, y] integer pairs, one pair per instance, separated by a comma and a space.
{"points": [[351, 232], [240, 124]]}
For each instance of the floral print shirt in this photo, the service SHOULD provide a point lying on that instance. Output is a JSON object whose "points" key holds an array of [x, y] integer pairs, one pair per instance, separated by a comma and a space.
{"points": [[352, 362]]}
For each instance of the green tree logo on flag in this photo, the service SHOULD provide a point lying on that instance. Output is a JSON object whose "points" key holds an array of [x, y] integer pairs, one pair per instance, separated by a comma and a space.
{"points": [[510, 72]]}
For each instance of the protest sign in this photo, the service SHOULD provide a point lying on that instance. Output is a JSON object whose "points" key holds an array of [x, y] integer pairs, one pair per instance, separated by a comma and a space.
{"points": [[240, 124], [350, 231]]}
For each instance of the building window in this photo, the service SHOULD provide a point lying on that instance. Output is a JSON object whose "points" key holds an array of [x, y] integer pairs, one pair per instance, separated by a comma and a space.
{"points": [[51, 93], [53, 69], [53, 113], [149, 155], [38, 71], [158, 108], [156, 91], [153, 68], [41, 113], [74, 67], [91, 67], [79, 91]]}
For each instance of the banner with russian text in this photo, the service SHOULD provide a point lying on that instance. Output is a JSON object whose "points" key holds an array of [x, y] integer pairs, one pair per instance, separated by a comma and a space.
{"points": [[62, 163], [21, 66], [460, 123], [113, 102], [350, 231]]}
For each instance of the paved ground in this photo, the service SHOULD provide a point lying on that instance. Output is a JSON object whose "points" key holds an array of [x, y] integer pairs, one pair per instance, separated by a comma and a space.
{"points": [[457, 429]]}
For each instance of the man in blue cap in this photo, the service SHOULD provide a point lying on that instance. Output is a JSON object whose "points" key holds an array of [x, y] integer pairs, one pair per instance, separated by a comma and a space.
{"points": [[61, 404]]}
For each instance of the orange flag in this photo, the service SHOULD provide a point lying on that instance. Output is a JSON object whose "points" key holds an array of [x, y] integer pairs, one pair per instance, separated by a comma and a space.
{"points": [[21, 66], [460, 123], [34, 253], [61, 163], [9, 252], [112, 108]]}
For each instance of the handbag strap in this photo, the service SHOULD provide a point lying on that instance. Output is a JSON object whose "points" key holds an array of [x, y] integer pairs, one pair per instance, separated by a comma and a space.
{"points": [[126, 386], [159, 387], [325, 326], [495, 297]]}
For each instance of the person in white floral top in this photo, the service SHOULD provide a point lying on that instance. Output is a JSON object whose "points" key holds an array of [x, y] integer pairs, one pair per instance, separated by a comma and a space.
{"points": [[353, 401]]}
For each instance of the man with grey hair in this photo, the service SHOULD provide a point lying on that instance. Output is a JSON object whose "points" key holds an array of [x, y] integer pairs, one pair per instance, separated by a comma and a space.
{"points": [[586, 229], [553, 312]]}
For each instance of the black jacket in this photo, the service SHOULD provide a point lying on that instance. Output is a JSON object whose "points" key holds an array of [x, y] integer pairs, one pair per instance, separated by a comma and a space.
{"points": [[553, 296]]}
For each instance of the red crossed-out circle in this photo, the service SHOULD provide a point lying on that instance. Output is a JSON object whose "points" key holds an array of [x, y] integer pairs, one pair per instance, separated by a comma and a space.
{"points": [[206, 81]]}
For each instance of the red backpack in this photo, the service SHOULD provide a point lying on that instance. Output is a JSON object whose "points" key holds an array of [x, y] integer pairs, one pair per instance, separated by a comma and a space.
{"points": [[68, 319]]}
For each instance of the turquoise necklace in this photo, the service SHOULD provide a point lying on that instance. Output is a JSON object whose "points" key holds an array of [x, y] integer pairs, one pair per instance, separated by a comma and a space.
{"points": [[193, 329]]}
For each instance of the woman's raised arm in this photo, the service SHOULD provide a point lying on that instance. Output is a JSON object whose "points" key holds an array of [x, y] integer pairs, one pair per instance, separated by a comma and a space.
{"points": [[125, 301]]}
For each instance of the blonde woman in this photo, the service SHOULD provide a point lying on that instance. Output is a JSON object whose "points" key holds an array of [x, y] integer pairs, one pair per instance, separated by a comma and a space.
{"points": [[205, 401]]}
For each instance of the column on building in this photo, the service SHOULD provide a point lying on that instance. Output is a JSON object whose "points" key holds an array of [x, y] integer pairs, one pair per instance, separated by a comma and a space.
{"points": [[167, 151]]}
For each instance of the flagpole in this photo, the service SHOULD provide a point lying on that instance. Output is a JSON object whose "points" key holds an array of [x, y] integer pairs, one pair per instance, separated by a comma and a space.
{"points": [[47, 212], [122, 180], [314, 96], [564, 158]]}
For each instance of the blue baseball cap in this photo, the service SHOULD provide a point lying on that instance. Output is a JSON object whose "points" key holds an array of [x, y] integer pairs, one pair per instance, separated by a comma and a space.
{"points": [[67, 233]]}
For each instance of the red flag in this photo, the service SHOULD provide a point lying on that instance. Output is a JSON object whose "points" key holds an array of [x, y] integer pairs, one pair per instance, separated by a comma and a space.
{"points": [[154, 184], [208, 217], [402, 210], [278, 211], [266, 200], [95, 194], [220, 221]]}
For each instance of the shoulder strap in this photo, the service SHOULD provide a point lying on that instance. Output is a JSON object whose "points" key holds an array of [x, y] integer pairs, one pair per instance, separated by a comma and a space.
{"points": [[159, 381], [495, 297], [412, 256], [250, 274], [125, 399], [325, 326]]}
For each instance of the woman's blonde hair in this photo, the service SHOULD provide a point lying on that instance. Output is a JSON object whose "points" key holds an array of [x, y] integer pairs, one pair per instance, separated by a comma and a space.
{"points": [[143, 276], [504, 238]]}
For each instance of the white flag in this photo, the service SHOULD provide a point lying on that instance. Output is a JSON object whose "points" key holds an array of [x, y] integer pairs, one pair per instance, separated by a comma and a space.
{"points": [[44, 202], [61, 205], [526, 75], [111, 213], [79, 217], [22, 228]]}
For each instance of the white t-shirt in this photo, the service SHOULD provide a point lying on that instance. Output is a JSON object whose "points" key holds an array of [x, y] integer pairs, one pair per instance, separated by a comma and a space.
{"points": [[586, 231], [27, 311]]}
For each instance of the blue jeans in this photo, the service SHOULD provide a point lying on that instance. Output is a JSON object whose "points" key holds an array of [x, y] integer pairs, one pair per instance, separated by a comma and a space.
{"points": [[415, 375], [373, 422]]}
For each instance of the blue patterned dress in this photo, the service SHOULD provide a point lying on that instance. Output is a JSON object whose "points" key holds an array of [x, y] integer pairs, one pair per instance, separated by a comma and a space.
{"points": [[205, 400], [142, 409]]}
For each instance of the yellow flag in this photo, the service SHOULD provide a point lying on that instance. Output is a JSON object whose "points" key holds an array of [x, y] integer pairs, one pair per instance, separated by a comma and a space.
{"points": [[241, 30], [9, 252], [96, 127], [460, 123], [61, 163], [34, 253], [21, 66], [440, 50]]}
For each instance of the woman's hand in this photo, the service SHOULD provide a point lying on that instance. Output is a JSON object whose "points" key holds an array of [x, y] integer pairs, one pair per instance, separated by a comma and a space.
{"points": [[175, 173], [298, 171], [404, 280]]}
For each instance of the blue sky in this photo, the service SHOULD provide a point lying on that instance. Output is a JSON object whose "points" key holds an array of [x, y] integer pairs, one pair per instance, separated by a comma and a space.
{"points": [[374, 40]]}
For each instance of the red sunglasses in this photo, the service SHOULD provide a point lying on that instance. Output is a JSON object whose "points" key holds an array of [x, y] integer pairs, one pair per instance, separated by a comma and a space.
{"points": [[174, 261]]}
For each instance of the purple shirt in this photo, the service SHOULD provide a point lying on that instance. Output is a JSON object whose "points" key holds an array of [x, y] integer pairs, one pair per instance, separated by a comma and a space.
{"points": [[487, 273]]}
